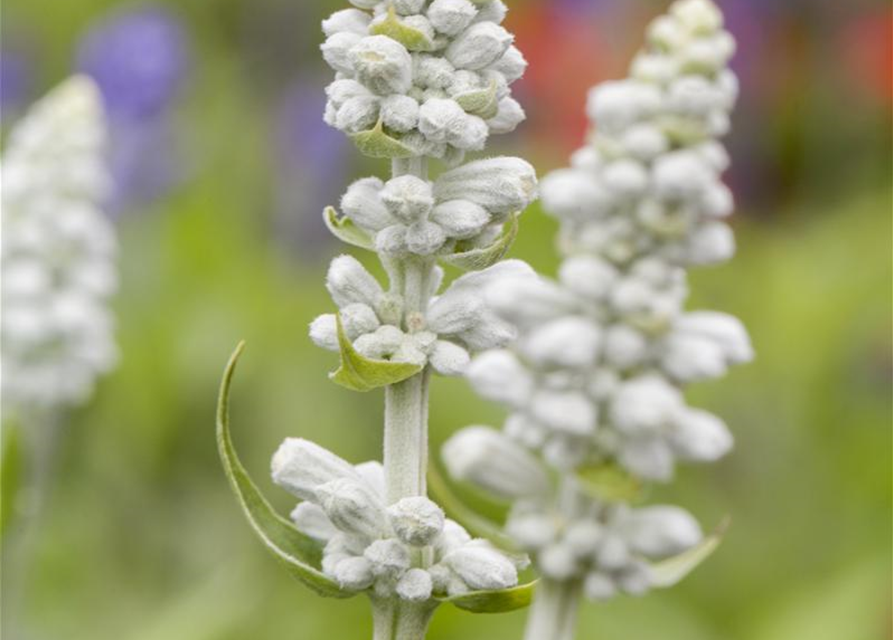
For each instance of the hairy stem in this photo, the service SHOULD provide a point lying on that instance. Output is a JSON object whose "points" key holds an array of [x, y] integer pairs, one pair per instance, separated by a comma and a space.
{"points": [[406, 403], [553, 614], [400, 620]]}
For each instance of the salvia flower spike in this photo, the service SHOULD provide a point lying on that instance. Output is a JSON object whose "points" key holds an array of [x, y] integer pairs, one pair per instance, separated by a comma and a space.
{"points": [[593, 381]]}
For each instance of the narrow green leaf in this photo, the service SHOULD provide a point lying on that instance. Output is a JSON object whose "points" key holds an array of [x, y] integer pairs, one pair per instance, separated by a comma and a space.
{"points": [[669, 572], [345, 230], [499, 601], [375, 143], [610, 483], [478, 525], [295, 550], [481, 103], [11, 473], [476, 259], [396, 29], [359, 373]]}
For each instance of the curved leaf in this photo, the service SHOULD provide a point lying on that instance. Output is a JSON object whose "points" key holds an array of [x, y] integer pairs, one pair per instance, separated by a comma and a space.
{"points": [[481, 103], [345, 230], [477, 259], [494, 601], [476, 524], [669, 572], [297, 551], [375, 143], [359, 373], [394, 28]]}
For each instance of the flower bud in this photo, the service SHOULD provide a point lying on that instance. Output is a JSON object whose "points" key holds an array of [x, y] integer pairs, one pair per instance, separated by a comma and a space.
{"points": [[372, 474], [460, 218], [391, 240], [635, 579], [441, 119], [649, 458], [352, 20], [661, 531], [570, 342], [509, 114], [488, 459], [336, 51], [389, 557], [358, 319], [699, 435], [381, 343], [448, 358], [497, 375], [324, 332], [697, 16], [500, 185], [472, 135], [617, 105], [382, 64], [599, 586], [566, 411], [557, 561], [349, 282], [424, 238], [576, 195], [357, 114], [588, 276], [399, 113], [531, 531], [416, 520], [512, 64], [300, 467], [482, 567], [710, 244], [644, 405], [407, 198], [363, 205], [626, 178], [480, 45], [612, 553], [309, 518], [415, 585], [354, 574], [625, 347], [352, 507], [451, 17]]}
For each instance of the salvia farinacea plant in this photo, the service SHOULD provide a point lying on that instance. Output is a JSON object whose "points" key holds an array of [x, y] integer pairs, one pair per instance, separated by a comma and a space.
{"points": [[415, 80], [594, 381]]}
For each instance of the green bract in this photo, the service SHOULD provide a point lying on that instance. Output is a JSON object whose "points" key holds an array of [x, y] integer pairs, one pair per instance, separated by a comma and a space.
{"points": [[345, 230], [359, 373], [494, 601], [377, 144], [477, 259], [610, 482], [297, 551], [669, 572], [396, 29], [482, 102]]}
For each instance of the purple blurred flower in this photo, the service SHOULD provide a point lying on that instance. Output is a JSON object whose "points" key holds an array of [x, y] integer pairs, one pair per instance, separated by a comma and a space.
{"points": [[16, 75], [311, 161], [139, 58]]}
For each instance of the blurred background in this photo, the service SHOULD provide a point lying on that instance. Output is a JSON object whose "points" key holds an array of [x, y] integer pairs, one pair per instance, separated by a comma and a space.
{"points": [[222, 166]]}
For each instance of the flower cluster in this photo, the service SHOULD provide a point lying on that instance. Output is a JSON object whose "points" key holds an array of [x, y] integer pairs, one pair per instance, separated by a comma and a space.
{"points": [[648, 182], [372, 546], [464, 208], [58, 252], [434, 75], [594, 379], [455, 323]]}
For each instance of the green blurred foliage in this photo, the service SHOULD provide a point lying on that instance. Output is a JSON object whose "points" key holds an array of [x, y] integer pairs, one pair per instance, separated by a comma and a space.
{"points": [[142, 540]]}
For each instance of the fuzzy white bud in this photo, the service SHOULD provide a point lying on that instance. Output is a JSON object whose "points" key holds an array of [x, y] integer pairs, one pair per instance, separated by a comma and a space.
{"points": [[416, 520], [300, 467]]}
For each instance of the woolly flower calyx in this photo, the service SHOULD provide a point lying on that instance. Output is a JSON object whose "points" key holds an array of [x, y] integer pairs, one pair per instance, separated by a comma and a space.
{"points": [[428, 78], [58, 252], [456, 322], [370, 546]]}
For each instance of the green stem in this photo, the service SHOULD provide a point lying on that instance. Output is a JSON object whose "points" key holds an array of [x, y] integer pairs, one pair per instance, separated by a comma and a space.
{"points": [[400, 620], [553, 614]]}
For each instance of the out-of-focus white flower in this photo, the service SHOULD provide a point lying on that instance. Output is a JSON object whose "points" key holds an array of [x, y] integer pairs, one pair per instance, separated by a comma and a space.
{"points": [[58, 253]]}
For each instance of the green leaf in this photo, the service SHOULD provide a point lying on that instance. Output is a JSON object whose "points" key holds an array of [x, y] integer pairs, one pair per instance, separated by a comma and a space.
{"points": [[359, 373], [11, 473], [478, 525], [494, 601], [669, 572], [610, 483], [375, 143], [295, 550], [396, 29], [345, 230], [476, 259], [481, 103]]}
